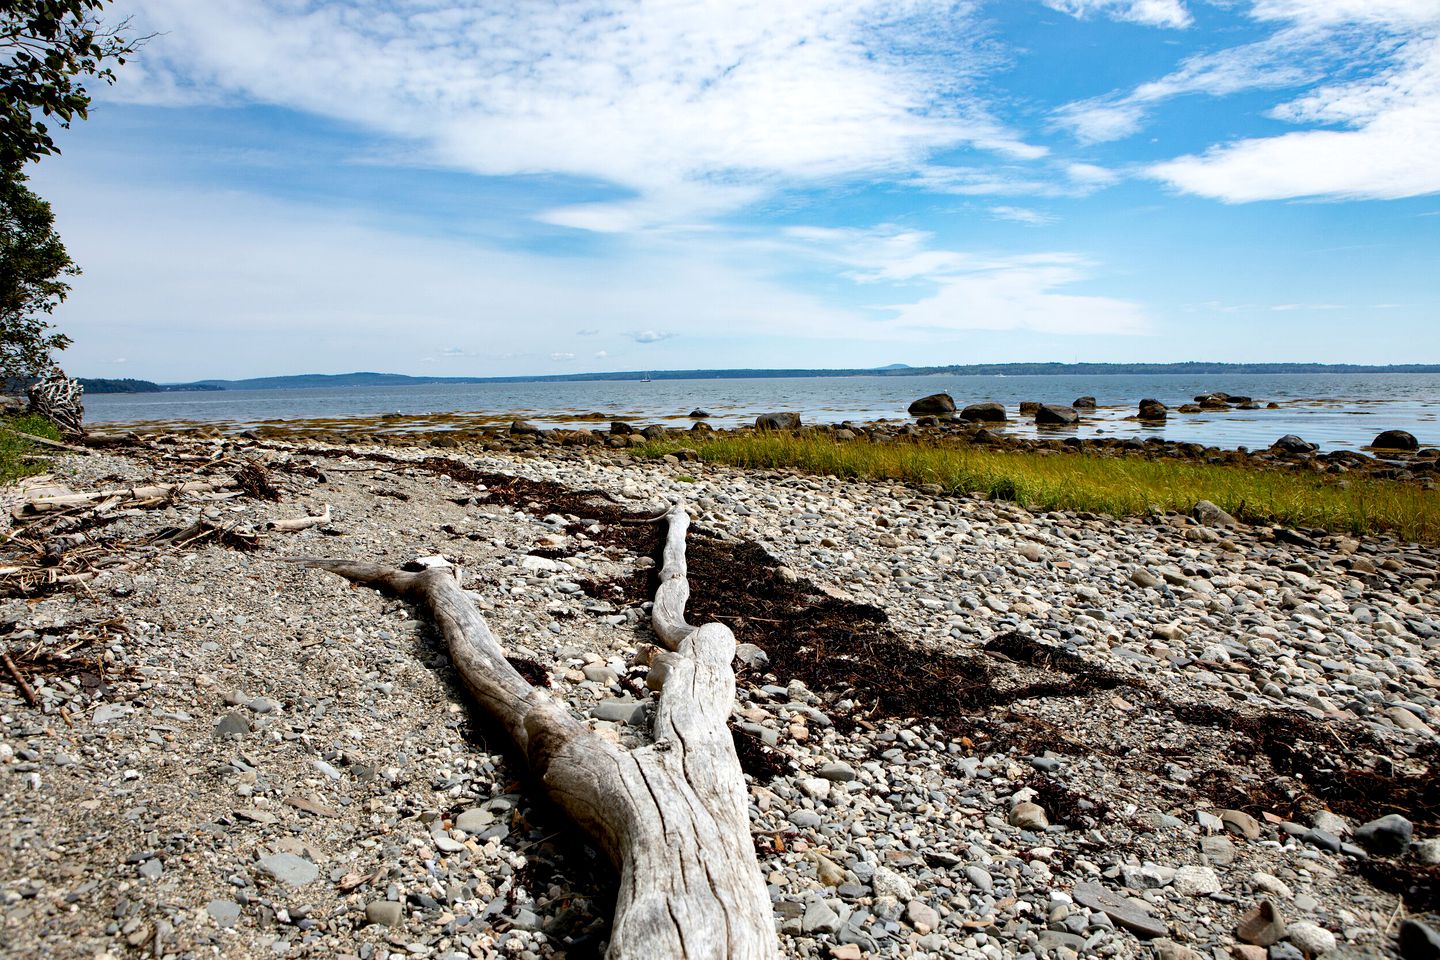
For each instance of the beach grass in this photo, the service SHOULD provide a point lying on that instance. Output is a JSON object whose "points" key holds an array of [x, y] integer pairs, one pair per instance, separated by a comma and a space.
{"points": [[19, 456], [1097, 484]]}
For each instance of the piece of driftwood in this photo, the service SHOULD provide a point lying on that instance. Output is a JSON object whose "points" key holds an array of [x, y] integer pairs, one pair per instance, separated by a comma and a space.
{"points": [[300, 523], [45, 441], [158, 492], [672, 815], [25, 689]]}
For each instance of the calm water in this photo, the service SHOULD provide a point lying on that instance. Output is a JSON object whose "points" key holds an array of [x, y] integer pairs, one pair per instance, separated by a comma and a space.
{"points": [[1336, 411]]}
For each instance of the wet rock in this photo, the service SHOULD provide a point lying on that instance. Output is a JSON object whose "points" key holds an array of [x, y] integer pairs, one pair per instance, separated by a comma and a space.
{"points": [[1151, 409], [1055, 416], [777, 421], [1293, 444], [986, 412], [525, 428], [1388, 836], [698, 414], [1084, 403], [1395, 440], [940, 404]]}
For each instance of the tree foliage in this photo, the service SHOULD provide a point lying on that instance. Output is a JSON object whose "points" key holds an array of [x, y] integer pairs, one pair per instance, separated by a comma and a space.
{"points": [[33, 269], [47, 48]]}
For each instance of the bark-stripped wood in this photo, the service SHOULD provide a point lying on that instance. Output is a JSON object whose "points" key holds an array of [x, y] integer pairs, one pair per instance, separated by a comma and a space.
{"points": [[123, 495], [300, 523], [672, 815]]}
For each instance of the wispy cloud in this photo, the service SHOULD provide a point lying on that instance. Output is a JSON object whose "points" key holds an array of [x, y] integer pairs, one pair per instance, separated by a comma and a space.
{"points": [[1386, 107], [1022, 215], [696, 107], [649, 336], [1388, 147], [1153, 13], [974, 291]]}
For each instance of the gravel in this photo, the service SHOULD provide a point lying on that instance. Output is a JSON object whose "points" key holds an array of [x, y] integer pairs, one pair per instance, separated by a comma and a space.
{"points": [[279, 765]]}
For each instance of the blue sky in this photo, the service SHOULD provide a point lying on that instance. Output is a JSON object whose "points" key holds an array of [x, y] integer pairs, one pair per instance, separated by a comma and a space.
{"points": [[284, 186]]}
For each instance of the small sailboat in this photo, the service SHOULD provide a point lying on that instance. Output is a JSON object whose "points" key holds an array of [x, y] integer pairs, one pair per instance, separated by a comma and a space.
{"points": [[646, 379]]}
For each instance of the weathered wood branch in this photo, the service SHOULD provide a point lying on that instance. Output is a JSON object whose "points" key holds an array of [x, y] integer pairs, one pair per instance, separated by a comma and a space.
{"points": [[300, 523], [47, 442], [159, 491], [672, 815]]}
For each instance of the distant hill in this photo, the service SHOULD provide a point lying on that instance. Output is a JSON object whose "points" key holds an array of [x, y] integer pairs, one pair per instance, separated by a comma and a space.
{"points": [[369, 379], [130, 385]]}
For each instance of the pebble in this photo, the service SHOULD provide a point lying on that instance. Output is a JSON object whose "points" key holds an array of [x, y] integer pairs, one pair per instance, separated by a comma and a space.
{"points": [[289, 869], [385, 913], [1389, 836], [1310, 938]]}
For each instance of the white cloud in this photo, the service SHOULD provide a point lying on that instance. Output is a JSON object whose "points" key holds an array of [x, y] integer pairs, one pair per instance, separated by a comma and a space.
{"points": [[694, 106], [1390, 150], [255, 287], [1021, 215], [973, 291], [1290, 57], [1055, 180], [649, 336], [562, 357], [1153, 13], [601, 354], [1370, 120]]}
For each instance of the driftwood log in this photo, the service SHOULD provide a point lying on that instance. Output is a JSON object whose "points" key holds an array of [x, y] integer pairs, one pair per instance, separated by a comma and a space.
{"points": [[672, 816]]}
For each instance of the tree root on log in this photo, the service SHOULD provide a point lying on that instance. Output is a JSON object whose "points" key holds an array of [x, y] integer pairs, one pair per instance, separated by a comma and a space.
{"points": [[672, 816]]}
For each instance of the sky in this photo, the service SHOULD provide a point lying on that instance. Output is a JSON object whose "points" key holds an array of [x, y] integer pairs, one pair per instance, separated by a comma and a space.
{"points": [[487, 188]]}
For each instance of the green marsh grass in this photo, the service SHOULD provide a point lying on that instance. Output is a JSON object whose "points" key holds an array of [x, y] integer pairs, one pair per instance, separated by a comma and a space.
{"points": [[18, 455], [1099, 484]]}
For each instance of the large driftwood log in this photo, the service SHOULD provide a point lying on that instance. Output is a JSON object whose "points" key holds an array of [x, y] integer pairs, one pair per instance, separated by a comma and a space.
{"points": [[672, 815]]}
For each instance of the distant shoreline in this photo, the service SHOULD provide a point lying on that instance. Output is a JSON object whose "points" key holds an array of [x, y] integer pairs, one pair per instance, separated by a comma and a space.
{"points": [[366, 379]]}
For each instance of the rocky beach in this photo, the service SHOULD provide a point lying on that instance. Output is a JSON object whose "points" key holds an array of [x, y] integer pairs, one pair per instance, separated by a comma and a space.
{"points": [[969, 730]]}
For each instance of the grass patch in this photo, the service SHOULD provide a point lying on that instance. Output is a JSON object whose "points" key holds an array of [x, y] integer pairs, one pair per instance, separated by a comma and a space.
{"points": [[18, 456], [1109, 485]]}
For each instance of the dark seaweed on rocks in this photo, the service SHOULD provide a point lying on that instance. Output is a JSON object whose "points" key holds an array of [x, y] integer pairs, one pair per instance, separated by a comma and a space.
{"points": [[1342, 765], [759, 761], [254, 480], [534, 673]]}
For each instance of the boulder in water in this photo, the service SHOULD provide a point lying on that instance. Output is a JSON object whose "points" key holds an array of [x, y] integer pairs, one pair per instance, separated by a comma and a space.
{"points": [[777, 421], [1151, 409], [1028, 407], [987, 412], [525, 427], [1084, 403], [1396, 440], [939, 404], [698, 414], [1293, 444], [1050, 415]]}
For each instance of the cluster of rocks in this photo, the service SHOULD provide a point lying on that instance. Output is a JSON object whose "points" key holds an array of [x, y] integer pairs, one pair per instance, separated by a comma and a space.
{"points": [[279, 765]]}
